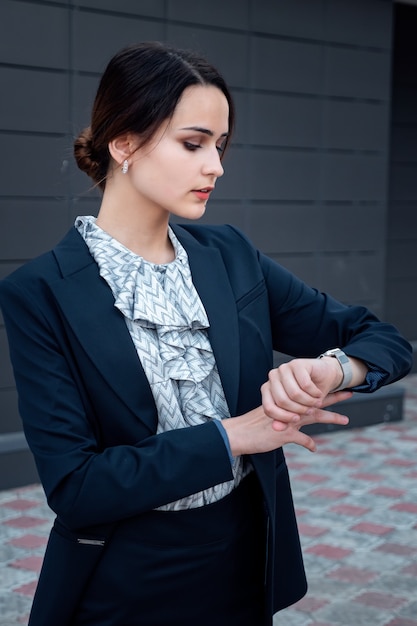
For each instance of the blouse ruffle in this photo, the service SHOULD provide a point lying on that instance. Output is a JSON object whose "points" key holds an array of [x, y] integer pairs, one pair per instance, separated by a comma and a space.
{"points": [[168, 325]]}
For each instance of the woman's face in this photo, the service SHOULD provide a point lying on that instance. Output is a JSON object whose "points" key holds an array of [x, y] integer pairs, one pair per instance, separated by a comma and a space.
{"points": [[178, 169]]}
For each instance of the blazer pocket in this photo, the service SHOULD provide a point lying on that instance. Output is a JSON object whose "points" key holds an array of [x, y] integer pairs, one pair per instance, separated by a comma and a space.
{"points": [[78, 538], [251, 296], [69, 562]]}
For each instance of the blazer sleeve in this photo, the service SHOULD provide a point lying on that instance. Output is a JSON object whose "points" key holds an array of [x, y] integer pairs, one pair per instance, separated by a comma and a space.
{"points": [[305, 322], [85, 484]]}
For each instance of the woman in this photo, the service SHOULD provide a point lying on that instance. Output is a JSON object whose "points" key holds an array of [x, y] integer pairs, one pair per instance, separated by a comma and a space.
{"points": [[142, 355]]}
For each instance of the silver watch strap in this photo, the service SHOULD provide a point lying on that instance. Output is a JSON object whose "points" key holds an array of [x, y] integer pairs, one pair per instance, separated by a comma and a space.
{"points": [[344, 363]]}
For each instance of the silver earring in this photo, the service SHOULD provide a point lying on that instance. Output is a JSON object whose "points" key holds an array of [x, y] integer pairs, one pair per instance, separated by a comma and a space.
{"points": [[125, 166]]}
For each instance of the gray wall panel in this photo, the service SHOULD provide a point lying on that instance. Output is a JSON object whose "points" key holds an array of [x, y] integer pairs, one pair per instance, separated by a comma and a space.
{"points": [[234, 184], [34, 34], [115, 32], [355, 125], [354, 177], [305, 266], [286, 175], [358, 73], [33, 100], [10, 419], [283, 18], [290, 66], [353, 228], [83, 92], [213, 45], [21, 219], [286, 219], [231, 14], [284, 120], [147, 8], [359, 22], [6, 375], [43, 161]]}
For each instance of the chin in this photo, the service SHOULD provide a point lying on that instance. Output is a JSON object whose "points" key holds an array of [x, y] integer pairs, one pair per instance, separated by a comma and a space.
{"points": [[194, 214]]}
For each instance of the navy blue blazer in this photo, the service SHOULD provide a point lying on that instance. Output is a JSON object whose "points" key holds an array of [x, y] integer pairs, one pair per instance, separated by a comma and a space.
{"points": [[90, 418]]}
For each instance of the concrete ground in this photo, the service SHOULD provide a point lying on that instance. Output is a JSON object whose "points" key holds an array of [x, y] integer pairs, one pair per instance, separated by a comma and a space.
{"points": [[356, 502]]}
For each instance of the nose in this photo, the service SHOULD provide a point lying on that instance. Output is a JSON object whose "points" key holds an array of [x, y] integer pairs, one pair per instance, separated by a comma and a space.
{"points": [[213, 165]]}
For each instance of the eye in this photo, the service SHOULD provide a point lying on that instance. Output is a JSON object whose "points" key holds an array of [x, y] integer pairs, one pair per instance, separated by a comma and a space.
{"points": [[191, 146], [220, 149]]}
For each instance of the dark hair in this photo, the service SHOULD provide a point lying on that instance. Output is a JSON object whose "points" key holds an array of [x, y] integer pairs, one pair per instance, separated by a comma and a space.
{"points": [[139, 90]]}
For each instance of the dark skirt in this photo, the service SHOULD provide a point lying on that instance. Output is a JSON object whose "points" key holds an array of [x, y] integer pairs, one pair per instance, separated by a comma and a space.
{"points": [[199, 567]]}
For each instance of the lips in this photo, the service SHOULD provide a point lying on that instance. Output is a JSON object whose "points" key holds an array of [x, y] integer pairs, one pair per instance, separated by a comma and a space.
{"points": [[204, 193]]}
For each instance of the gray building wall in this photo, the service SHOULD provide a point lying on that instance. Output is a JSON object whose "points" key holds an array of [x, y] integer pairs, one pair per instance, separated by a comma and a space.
{"points": [[306, 177]]}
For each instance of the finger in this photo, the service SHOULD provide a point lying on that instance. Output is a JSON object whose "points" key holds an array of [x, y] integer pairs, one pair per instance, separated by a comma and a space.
{"points": [[275, 411], [320, 416], [334, 398], [279, 405], [292, 387], [301, 439]]}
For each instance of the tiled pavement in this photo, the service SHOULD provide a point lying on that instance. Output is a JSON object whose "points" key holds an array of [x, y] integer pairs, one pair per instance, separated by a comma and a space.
{"points": [[356, 501]]}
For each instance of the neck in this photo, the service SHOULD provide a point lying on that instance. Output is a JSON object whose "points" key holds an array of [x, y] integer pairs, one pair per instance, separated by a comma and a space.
{"points": [[145, 233]]}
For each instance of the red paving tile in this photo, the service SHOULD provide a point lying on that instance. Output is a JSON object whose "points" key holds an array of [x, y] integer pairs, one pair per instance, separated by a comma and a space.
{"points": [[405, 507], [410, 570], [21, 504], [329, 552], [309, 530], [353, 575], [28, 589], [32, 563], [297, 465], [349, 509], [401, 463], [25, 521], [380, 600], [396, 548], [329, 494], [28, 541], [373, 478], [387, 492], [332, 452], [372, 529], [310, 604], [313, 478], [363, 439], [350, 463]]}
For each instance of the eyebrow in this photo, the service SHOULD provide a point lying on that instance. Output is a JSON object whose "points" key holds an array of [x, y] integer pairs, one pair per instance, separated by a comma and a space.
{"points": [[205, 131]]}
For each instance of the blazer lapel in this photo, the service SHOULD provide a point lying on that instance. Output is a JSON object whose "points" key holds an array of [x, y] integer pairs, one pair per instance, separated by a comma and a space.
{"points": [[87, 303], [213, 286]]}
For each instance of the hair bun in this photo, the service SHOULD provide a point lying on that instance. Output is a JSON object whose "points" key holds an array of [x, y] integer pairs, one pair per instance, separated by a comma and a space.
{"points": [[84, 155]]}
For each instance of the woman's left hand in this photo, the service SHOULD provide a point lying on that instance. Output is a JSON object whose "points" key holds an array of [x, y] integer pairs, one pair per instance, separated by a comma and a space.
{"points": [[298, 387]]}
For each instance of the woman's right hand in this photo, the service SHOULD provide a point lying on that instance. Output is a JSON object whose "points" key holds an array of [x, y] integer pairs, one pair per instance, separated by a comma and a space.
{"points": [[254, 432]]}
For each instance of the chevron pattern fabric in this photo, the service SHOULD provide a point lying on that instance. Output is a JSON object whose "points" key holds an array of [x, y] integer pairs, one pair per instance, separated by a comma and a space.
{"points": [[168, 326]]}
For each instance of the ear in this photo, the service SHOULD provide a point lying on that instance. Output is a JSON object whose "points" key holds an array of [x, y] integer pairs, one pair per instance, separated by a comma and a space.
{"points": [[122, 147]]}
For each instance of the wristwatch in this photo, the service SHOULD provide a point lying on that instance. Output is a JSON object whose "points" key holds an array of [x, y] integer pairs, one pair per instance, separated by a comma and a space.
{"points": [[344, 363]]}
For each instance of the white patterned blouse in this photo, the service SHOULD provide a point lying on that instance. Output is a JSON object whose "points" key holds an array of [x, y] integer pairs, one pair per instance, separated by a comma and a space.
{"points": [[168, 326]]}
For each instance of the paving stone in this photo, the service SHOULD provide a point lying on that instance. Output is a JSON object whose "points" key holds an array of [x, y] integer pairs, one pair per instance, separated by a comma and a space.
{"points": [[381, 600]]}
